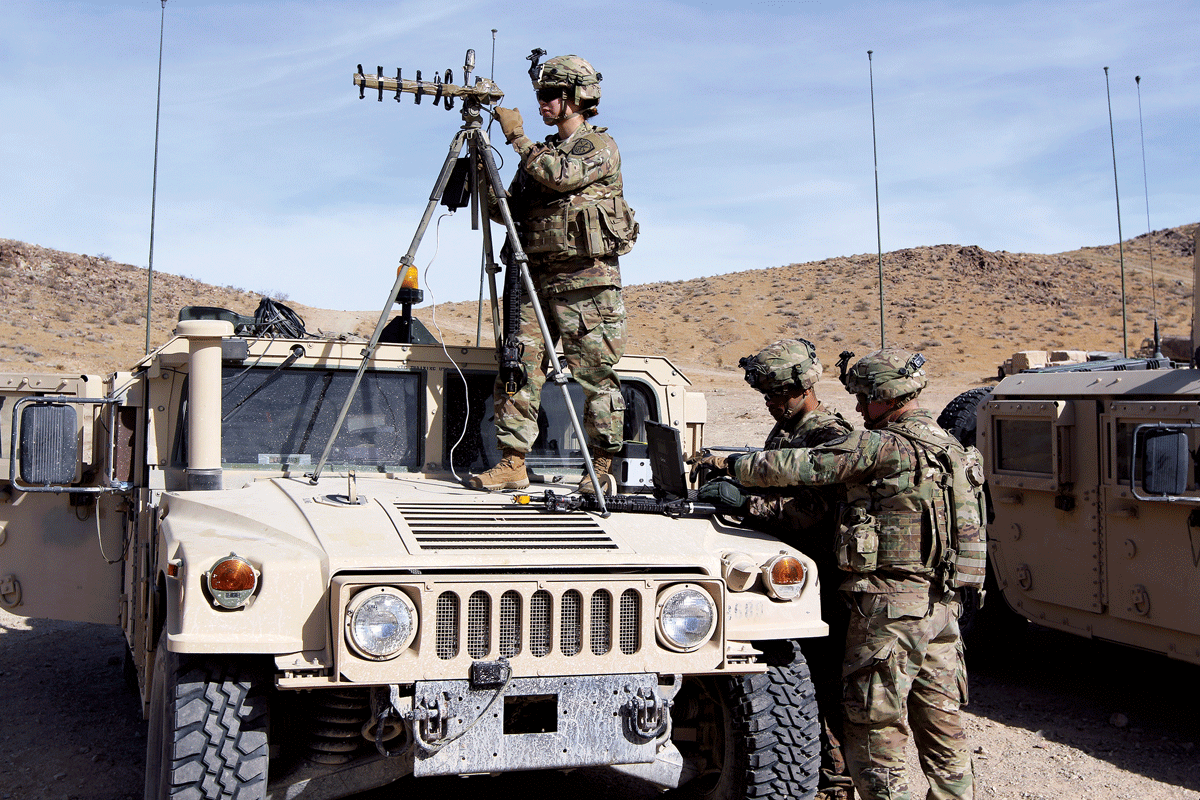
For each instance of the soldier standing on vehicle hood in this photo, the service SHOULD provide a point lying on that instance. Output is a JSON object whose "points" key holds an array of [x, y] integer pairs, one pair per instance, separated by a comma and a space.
{"points": [[569, 208], [911, 536], [786, 372]]}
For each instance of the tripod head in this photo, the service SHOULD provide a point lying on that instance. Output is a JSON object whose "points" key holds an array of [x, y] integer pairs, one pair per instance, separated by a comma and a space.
{"points": [[441, 88]]}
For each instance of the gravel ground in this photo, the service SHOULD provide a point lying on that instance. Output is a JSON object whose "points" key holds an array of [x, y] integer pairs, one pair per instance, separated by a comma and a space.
{"points": [[1052, 717]]}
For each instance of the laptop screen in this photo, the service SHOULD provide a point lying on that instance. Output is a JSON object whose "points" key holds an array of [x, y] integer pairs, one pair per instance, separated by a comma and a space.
{"points": [[666, 460]]}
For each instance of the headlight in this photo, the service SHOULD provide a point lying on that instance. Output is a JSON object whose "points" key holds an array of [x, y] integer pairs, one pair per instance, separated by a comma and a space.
{"points": [[231, 581], [380, 622], [687, 617], [784, 577]]}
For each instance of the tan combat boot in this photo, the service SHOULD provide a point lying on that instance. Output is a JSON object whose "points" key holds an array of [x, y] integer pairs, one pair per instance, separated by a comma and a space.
{"points": [[602, 463], [509, 473]]}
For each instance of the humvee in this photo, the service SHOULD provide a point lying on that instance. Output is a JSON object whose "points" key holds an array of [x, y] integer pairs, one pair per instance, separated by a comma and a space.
{"points": [[1094, 483], [313, 638]]}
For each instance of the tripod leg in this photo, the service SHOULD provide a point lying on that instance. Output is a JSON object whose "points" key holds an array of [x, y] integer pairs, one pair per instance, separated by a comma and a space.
{"points": [[439, 188], [554, 372], [488, 268]]}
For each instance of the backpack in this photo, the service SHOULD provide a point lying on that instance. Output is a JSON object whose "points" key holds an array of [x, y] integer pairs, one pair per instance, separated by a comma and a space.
{"points": [[958, 511]]}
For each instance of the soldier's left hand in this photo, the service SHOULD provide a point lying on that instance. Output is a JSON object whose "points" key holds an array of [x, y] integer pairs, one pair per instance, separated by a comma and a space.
{"points": [[707, 466], [510, 122], [725, 494]]}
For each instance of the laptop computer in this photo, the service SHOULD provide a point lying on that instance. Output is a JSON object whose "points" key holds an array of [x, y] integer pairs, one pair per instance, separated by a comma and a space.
{"points": [[667, 468]]}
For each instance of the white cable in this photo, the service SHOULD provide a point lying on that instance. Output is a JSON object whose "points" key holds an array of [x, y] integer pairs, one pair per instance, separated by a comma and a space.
{"points": [[437, 243]]}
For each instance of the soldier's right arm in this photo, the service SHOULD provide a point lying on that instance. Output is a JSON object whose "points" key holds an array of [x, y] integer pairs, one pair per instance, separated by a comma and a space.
{"points": [[854, 459]]}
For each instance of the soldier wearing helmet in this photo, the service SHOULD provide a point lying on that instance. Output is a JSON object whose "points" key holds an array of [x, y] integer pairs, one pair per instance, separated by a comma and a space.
{"points": [[909, 539], [786, 373], [568, 203]]}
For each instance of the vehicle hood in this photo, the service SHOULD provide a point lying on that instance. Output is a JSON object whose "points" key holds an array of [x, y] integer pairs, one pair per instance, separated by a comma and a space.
{"points": [[409, 523]]}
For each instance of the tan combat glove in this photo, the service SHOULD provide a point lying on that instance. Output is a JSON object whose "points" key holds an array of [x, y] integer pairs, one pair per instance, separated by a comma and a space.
{"points": [[706, 467], [510, 122]]}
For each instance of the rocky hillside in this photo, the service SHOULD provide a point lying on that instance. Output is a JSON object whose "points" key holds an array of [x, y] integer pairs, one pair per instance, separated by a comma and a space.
{"points": [[965, 307]]}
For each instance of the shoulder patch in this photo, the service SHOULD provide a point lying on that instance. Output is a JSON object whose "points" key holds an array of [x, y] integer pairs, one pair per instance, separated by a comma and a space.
{"points": [[583, 147]]}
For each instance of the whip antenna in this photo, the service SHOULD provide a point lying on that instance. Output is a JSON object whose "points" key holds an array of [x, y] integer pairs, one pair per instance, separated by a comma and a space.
{"points": [[1120, 241], [878, 233], [1149, 232], [154, 183]]}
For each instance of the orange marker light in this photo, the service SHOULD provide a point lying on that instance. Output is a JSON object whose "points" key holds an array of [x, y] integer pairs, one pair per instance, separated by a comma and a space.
{"points": [[784, 576], [787, 571], [231, 575], [231, 582]]}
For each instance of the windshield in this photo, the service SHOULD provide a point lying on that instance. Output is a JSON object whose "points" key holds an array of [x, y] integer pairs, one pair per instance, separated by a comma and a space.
{"points": [[273, 417]]}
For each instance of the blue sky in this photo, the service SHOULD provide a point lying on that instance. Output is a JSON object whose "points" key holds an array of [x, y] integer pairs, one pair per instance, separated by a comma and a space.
{"points": [[744, 128]]}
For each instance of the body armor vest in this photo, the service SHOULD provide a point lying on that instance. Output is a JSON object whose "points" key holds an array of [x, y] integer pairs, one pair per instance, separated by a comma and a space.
{"points": [[930, 522], [594, 221]]}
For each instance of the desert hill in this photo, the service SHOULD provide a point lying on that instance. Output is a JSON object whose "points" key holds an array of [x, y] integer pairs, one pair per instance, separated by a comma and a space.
{"points": [[965, 307]]}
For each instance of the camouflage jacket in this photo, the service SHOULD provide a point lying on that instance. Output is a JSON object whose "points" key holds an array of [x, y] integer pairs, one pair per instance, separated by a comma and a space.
{"points": [[804, 517], [879, 470], [567, 200]]}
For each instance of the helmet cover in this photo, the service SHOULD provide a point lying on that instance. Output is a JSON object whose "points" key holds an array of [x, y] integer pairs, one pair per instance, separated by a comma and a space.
{"points": [[785, 365], [571, 73], [886, 374]]}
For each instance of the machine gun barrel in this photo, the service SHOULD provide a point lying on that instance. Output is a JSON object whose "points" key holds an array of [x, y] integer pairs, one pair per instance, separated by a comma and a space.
{"points": [[484, 91]]}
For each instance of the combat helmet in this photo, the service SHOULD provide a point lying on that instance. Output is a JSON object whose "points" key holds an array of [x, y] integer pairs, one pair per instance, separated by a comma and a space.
{"points": [[573, 74], [885, 374], [784, 365]]}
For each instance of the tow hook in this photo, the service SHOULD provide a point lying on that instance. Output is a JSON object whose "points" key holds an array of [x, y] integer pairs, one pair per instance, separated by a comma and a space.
{"points": [[431, 719], [649, 712]]}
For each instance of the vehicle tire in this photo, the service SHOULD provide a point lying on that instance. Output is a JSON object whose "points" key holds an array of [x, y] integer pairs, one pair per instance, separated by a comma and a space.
{"points": [[207, 736], [755, 736], [958, 417]]}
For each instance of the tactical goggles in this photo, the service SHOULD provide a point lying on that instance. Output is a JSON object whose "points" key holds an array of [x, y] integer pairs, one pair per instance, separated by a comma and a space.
{"points": [[549, 94]]}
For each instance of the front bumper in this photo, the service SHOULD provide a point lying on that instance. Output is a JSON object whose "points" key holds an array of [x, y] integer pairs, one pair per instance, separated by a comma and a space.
{"points": [[538, 723]]}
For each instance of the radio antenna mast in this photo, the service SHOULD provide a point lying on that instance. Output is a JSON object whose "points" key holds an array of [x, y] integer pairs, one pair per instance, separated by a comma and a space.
{"points": [[1149, 231], [878, 232], [1120, 240], [154, 184]]}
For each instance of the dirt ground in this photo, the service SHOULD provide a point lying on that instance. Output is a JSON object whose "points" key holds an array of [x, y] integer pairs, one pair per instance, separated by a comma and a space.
{"points": [[1051, 717]]}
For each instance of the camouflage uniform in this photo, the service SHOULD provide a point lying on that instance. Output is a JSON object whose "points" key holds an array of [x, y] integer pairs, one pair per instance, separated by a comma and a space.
{"points": [[806, 518], [903, 661], [799, 510], [567, 202]]}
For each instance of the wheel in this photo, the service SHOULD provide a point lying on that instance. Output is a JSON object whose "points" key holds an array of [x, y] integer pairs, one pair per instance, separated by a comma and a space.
{"points": [[207, 737], [958, 417], [750, 736]]}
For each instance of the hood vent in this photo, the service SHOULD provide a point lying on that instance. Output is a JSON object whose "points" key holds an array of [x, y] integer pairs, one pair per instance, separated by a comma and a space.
{"points": [[486, 527]]}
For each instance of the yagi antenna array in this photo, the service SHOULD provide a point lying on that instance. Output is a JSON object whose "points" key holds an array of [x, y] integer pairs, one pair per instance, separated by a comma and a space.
{"points": [[441, 88]]}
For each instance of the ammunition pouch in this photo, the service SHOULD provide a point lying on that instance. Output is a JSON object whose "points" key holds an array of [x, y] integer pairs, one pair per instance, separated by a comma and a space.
{"points": [[857, 546], [581, 226]]}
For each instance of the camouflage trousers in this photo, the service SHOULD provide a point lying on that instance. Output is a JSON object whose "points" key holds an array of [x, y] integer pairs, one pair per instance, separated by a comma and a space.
{"points": [[904, 667], [590, 324]]}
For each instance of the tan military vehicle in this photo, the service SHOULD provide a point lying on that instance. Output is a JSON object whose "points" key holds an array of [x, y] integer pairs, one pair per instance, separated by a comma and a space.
{"points": [[1094, 485], [313, 640]]}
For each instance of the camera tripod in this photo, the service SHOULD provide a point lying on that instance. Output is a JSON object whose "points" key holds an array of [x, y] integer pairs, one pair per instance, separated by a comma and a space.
{"points": [[479, 164]]}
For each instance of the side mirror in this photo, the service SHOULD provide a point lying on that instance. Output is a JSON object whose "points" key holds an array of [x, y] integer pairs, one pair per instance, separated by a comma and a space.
{"points": [[1167, 463], [49, 440]]}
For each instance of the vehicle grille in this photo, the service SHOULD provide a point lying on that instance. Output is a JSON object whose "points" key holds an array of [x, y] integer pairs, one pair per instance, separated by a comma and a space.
{"points": [[555, 622], [486, 527]]}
